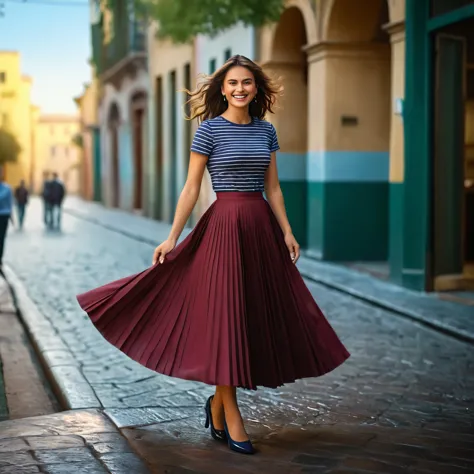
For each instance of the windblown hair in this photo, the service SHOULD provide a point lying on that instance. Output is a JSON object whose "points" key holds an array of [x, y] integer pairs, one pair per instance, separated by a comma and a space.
{"points": [[207, 102]]}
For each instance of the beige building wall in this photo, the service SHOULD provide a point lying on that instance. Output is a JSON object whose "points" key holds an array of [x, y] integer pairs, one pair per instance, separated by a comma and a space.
{"points": [[165, 59], [55, 151], [87, 105], [345, 74]]}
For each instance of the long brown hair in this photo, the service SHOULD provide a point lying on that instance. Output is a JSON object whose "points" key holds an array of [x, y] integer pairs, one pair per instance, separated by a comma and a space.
{"points": [[206, 101]]}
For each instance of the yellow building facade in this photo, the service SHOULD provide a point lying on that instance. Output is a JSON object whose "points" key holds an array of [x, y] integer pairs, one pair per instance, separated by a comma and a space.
{"points": [[89, 172], [18, 115], [56, 152]]}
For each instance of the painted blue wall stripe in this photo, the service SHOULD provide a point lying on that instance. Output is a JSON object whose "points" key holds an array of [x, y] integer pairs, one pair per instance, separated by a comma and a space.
{"points": [[291, 166], [358, 166]]}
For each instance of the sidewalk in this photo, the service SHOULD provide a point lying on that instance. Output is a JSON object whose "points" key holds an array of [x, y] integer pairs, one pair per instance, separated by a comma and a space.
{"points": [[76, 442], [451, 318]]}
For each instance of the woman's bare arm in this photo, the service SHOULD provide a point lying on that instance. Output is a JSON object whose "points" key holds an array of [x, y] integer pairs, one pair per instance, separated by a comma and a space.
{"points": [[277, 203], [186, 202], [189, 195], [275, 196]]}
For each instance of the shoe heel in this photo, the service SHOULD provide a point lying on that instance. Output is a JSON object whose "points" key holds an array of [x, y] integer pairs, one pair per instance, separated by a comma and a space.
{"points": [[218, 435]]}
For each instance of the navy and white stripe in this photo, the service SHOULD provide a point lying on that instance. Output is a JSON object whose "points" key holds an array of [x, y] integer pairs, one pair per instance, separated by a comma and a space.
{"points": [[238, 154]]}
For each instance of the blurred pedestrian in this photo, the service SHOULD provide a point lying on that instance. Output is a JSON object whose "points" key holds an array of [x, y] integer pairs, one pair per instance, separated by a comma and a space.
{"points": [[6, 205], [227, 306], [46, 195], [21, 198], [57, 193]]}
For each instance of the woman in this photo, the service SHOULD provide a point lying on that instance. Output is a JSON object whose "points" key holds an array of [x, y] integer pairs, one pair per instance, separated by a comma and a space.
{"points": [[227, 306]]}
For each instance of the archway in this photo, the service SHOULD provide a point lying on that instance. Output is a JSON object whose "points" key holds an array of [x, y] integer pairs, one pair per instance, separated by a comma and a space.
{"points": [[288, 61], [138, 108], [113, 122]]}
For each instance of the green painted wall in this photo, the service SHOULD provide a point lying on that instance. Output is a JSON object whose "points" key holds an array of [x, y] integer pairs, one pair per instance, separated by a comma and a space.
{"points": [[395, 251], [417, 131], [315, 225], [348, 221], [295, 195]]}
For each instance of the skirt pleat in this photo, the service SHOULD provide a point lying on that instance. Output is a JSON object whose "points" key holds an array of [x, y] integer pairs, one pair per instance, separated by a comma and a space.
{"points": [[227, 306]]}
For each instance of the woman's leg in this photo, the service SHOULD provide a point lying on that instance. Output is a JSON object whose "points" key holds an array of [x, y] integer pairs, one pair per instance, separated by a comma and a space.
{"points": [[217, 409], [225, 404]]}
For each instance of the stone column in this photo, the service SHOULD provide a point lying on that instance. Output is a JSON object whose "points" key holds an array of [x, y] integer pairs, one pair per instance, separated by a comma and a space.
{"points": [[397, 162], [348, 140]]}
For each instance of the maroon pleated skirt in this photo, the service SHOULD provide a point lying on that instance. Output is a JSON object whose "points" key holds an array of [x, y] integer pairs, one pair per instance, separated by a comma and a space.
{"points": [[227, 307]]}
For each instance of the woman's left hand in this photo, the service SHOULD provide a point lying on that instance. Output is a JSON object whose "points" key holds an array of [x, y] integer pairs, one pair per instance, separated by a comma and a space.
{"points": [[293, 247]]}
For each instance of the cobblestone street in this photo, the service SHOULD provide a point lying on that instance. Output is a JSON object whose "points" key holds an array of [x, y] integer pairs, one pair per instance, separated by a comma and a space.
{"points": [[402, 403]]}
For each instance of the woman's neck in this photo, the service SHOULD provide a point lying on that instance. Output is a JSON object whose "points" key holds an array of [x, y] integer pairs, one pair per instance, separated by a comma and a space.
{"points": [[240, 116]]}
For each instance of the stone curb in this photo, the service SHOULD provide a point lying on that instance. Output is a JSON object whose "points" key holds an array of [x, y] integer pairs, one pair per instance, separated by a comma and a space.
{"points": [[62, 369], [413, 315], [383, 304]]}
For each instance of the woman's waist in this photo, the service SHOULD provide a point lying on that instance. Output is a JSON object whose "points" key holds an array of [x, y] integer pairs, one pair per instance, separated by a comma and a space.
{"points": [[239, 195]]}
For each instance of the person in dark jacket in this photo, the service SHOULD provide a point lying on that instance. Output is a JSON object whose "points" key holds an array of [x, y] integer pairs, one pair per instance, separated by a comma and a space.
{"points": [[21, 198], [57, 193], [46, 195]]}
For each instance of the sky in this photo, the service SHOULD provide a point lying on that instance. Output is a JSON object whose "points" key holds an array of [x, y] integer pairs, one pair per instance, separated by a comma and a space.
{"points": [[53, 37]]}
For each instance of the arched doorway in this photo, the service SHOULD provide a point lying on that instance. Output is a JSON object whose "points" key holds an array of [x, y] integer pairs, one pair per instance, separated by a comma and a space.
{"points": [[352, 166], [138, 108], [288, 62], [113, 125]]}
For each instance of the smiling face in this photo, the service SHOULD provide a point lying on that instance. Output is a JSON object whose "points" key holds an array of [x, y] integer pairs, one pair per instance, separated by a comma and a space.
{"points": [[239, 87]]}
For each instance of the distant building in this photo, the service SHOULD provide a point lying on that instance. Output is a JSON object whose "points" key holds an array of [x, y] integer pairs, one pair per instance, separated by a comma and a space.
{"points": [[120, 59], [57, 152], [90, 169], [18, 116]]}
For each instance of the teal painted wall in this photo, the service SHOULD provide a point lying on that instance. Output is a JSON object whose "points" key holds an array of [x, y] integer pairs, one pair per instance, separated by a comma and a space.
{"points": [[347, 207], [315, 224], [126, 170], [395, 252], [292, 175]]}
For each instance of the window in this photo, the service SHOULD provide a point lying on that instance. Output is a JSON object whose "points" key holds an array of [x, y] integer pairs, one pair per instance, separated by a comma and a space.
{"points": [[212, 65], [3, 77], [227, 54], [52, 151]]}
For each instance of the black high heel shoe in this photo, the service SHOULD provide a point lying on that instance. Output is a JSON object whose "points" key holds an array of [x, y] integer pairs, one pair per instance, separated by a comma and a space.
{"points": [[218, 435], [242, 447]]}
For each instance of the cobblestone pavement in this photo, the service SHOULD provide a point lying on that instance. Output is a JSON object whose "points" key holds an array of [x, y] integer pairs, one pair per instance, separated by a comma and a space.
{"points": [[402, 403], [79, 442]]}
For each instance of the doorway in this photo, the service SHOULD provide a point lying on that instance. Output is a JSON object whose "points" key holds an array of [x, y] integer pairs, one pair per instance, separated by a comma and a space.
{"points": [[453, 158], [138, 111], [113, 125]]}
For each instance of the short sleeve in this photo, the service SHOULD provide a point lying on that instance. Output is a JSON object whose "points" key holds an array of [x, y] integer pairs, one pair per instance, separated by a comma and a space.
{"points": [[274, 146], [203, 141]]}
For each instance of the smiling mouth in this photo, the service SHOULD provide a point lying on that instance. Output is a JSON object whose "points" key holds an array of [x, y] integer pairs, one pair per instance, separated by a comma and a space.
{"points": [[239, 97]]}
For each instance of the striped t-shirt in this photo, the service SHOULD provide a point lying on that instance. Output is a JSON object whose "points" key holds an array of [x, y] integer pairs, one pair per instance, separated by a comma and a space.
{"points": [[238, 154]]}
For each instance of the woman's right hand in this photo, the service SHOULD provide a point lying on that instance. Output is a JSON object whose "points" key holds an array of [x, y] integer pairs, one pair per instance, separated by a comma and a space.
{"points": [[162, 250]]}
